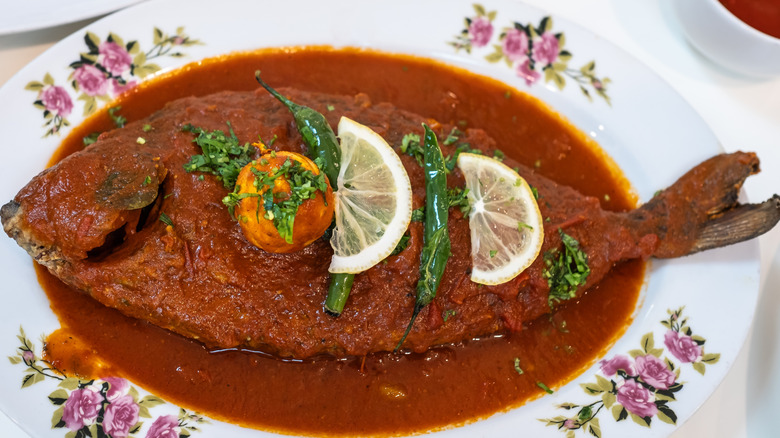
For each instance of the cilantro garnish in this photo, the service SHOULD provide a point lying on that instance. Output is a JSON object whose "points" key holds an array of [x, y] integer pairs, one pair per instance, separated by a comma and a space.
{"points": [[452, 137], [544, 387], [91, 138], [565, 271], [119, 121], [165, 219], [457, 197], [222, 154], [451, 161], [281, 207], [449, 313], [418, 214], [410, 145], [402, 244], [517, 366]]}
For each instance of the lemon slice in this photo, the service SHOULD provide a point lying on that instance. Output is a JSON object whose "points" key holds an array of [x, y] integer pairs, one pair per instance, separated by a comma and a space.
{"points": [[373, 200], [506, 226]]}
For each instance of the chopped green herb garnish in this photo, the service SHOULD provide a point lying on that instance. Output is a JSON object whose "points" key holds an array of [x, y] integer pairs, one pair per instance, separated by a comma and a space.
{"points": [[281, 208], [140, 140], [331, 107], [535, 192], [166, 220], [222, 154], [565, 271], [521, 225], [493, 253], [517, 366], [269, 143], [168, 196], [147, 180], [499, 155], [457, 197], [410, 145], [452, 137], [544, 387], [451, 161], [449, 313], [119, 121], [91, 138], [147, 128], [418, 214], [402, 244]]}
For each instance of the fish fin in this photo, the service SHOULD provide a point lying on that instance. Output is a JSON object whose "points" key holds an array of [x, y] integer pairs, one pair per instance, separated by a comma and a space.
{"points": [[738, 224], [701, 210]]}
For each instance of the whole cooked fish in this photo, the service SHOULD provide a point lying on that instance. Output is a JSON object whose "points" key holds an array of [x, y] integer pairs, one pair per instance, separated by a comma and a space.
{"points": [[92, 220]]}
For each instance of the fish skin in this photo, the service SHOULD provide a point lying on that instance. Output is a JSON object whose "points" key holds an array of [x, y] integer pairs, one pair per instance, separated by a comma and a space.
{"points": [[178, 278]]}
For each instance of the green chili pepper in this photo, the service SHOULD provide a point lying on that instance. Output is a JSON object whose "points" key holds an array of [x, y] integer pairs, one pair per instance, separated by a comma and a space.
{"points": [[322, 143], [338, 292], [316, 133], [436, 239]]}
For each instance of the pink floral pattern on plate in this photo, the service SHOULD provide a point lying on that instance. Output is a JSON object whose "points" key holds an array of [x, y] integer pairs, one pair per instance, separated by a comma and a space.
{"points": [[641, 384], [108, 68], [533, 52], [107, 407]]}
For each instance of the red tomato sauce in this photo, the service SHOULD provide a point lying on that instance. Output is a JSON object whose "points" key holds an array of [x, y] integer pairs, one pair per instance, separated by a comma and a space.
{"points": [[763, 15]]}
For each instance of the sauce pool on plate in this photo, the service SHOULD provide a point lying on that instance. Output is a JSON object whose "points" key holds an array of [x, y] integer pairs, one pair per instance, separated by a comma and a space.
{"points": [[379, 394]]}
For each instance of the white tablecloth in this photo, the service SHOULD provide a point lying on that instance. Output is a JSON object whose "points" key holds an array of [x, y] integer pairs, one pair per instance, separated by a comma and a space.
{"points": [[743, 112]]}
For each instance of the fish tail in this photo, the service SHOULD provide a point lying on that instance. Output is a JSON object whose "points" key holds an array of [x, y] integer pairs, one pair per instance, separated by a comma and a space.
{"points": [[743, 222], [701, 210]]}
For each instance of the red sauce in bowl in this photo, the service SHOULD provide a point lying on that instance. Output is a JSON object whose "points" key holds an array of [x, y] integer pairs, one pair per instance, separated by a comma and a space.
{"points": [[763, 15]]}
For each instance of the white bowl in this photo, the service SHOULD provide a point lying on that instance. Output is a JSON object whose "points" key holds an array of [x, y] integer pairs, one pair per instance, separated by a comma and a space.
{"points": [[727, 40]]}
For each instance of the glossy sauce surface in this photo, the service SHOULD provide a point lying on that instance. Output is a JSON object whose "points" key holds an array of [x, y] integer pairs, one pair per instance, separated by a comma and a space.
{"points": [[381, 393], [763, 15]]}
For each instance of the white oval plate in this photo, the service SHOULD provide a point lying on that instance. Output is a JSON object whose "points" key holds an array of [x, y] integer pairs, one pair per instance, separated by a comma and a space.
{"points": [[706, 301], [22, 16]]}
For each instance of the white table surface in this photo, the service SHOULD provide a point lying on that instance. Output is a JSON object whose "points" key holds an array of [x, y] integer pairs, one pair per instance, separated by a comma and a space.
{"points": [[743, 112]]}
